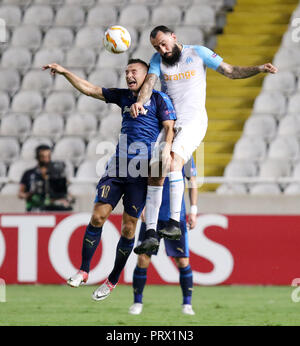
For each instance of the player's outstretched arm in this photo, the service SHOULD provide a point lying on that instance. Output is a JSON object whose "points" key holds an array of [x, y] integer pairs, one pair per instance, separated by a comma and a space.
{"points": [[144, 95], [239, 72], [80, 84]]}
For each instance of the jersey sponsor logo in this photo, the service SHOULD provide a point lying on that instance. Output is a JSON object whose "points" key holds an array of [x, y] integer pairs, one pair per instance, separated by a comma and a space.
{"points": [[188, 60], [127, 110], [214, 55], [180, 76]]}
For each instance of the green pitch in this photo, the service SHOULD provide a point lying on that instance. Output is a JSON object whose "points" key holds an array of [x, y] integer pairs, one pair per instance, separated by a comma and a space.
{"points": [[220, 305]]}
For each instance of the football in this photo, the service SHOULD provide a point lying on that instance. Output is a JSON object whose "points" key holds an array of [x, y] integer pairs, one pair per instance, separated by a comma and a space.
{"points": [[116, 39]]}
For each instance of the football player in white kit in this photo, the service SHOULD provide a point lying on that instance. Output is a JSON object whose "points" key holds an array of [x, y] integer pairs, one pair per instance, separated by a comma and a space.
{"points": [[182, 72]]}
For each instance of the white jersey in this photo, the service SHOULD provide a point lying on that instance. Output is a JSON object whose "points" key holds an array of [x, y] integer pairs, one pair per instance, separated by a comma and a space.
{"points": [[185, 82]]}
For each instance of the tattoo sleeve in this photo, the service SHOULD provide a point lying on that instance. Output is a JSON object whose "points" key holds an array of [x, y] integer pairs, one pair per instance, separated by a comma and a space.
{"points": [[238, 72], [146, 90]]}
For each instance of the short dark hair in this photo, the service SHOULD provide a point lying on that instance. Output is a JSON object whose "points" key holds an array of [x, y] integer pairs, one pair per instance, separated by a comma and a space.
{"points": [[138, 61], [161, 28], [41, 147]]}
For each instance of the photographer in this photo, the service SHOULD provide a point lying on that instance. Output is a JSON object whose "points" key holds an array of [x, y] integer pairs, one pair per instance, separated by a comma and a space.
{"points": [[44, 187]]}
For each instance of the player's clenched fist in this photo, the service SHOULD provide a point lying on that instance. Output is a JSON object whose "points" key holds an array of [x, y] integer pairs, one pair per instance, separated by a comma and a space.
{"points": [[54, 68], [136, 109], [269, 68]]}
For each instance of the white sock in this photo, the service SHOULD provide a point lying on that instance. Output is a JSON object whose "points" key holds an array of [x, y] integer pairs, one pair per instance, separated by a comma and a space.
{"points": [[153, 202], [176, 194]]}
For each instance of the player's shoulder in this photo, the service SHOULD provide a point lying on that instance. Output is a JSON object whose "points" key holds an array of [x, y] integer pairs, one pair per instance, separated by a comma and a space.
{"points": [[160, 95], [155, 58]]}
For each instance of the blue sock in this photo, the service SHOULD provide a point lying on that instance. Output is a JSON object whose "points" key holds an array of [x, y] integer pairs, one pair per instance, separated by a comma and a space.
{"points": [[90, 242], [186, 283], [138, 283], [124, 249]]}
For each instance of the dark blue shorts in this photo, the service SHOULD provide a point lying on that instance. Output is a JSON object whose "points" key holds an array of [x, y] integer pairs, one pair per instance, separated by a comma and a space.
{"points": [[174, 248], [111, 189]]}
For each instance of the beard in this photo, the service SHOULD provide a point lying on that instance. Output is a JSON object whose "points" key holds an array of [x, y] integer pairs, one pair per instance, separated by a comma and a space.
{"points": [[174, 58]]}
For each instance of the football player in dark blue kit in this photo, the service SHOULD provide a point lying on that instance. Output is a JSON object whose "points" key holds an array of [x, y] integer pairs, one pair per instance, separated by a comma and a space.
{"points": [[126, 174], [178, 249]]}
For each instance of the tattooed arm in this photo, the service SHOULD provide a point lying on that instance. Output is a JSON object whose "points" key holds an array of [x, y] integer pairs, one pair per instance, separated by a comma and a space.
{"points": [[144, 95], [239, 72]]}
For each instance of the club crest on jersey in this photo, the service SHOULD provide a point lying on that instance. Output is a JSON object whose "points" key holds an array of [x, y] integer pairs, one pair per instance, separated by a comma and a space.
{"points": [[188, 60]]}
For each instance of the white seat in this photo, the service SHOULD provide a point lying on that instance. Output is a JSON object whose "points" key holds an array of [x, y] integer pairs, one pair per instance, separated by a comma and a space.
{"points": [[2, 169], [273, 103], [82, 3], [102, 16], [240, 168], [99, 146], [20, 3], [9, 149], [89, 37], [287, 39], [265, 189], [169, 15], [69, 148], [87, 170], [47, 56], [62, 84], [4, 102], [40, 15], [287, 59], [145, 38], [83, 58], [108, 60], [293, 106], [292, 189], [12, 15], [140, 12], [110, 126], [81, 125], [61, 102], [48, 125], [10, 80], [37, 80], [250, 148], [284, 82], [18, 168], [284, 147], [17, 58], [144, 53], [29, 102], [81, 189], [202, 16], [27, 36], [182, 4], [31, 143], [112, 2], [263, 126], [106, 78], [54, 3], [190, 35], [18, 125], [217, 4], [70, 16], [149, 3], [87, 104], [296, 171], [10, 189], [57, 37], [273, 168], [289, 126], [232, 189]]}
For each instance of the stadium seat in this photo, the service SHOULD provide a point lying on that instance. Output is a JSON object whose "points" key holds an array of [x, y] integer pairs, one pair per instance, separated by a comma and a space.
{"points": [[217, 4], [143, 52], [240, 168], [284, 82], [2, 169], [61, 102], [107, 78], [141, 15], [70, 16], [232, 189], [145, 38], [265, 189], [250, 148], [9, 149], [10, 80], [27, 36], [17, 169], [17, 58], [53, 3], [149, 3], [47, 56], [84, 125], [83, 58], [108, 60], [57, 37], [4, 102], [22, 4], [69, 148], [87, 170], [112, 2], [110, 126], [99, 146], [287, 39], [169, 15], [202, 16], [62, 84], [81, 189], [10, 189], [102, 16], [48, 125], [189, 35], [292, 189], [287, 59], [89, 37], [41, 15], [37, 80], [181, 4], [293, 106], [285, 147], [17, 125], [262, 126], [31, 143], [82, 3], [12, 15], [273, 103], [274, 168], [87, 104], [28, 102], [289, 126]]}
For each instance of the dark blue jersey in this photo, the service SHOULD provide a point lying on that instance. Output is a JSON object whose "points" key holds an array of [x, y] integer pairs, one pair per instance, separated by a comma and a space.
{"points": [[141, 132]]}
